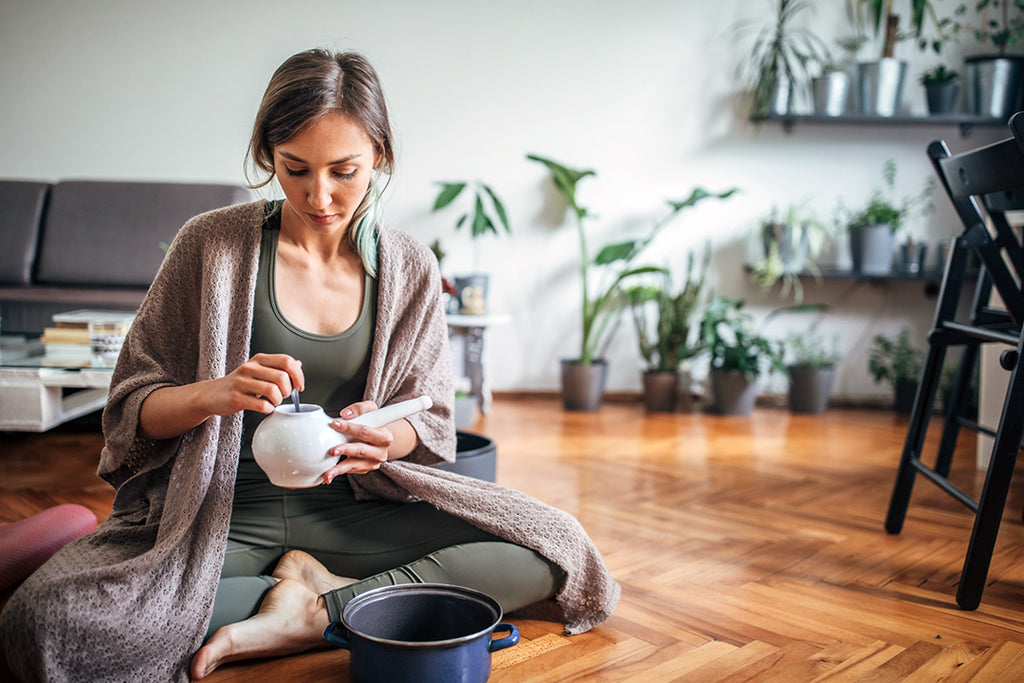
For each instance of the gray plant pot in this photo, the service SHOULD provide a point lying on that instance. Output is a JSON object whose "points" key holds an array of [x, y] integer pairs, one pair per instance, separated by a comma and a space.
{"points": [[809, 389], [583, 385], [661, 391], [831, 92], [871, 249], [880, 86], [942, 98], [782, 96], [994, 85], [735, 394]]}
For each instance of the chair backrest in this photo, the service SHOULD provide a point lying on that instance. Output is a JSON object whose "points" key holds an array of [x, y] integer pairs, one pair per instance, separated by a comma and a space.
{"points": [[985, 185]]}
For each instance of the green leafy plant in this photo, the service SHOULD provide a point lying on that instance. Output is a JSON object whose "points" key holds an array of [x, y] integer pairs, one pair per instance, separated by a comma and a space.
{"points": [[614, 261], [781, 54], [808, 348], [1003, 32], [485, 212], [670, 339], [940, 75], [784, 236], [729, 334], [881, 14], [895, 361], [882, 210]]}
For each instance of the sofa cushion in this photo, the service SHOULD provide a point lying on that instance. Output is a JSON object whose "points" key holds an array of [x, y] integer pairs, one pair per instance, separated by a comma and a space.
{"points": [[109, 233], [23, 203]]}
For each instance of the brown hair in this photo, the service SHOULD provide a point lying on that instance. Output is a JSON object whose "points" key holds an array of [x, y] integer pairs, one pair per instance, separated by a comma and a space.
{"points": [[306, 87], [309, 85]]}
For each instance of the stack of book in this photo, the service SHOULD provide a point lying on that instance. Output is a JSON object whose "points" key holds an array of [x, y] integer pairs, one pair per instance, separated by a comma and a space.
{"points": [[67, 342]]}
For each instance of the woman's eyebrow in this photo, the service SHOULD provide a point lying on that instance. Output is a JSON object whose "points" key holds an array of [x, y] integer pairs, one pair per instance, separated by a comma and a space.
{"points": [[300, 160]]}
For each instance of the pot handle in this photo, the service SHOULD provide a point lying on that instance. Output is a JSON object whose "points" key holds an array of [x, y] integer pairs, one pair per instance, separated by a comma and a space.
{"points": [[336, 640], [508, 641]]}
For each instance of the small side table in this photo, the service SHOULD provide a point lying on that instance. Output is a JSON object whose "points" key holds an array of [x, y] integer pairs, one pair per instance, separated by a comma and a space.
{"points": [[466, 336]]}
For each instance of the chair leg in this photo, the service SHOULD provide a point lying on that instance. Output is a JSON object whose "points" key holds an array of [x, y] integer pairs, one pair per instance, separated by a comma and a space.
{"points": [[914, 442], [994, 494], [951, 428]]}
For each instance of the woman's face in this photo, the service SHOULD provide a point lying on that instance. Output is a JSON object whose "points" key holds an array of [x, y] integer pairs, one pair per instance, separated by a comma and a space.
{"points": [[324, 171]]}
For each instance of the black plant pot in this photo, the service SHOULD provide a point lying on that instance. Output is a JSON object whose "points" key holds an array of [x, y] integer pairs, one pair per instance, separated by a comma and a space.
{"points": [[809, 389], [583, 385], [903, 396], [942, 98], [735, 393]]}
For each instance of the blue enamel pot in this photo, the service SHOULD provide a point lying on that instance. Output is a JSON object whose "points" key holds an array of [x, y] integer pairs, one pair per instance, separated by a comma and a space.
{"points": [[422, 633]]}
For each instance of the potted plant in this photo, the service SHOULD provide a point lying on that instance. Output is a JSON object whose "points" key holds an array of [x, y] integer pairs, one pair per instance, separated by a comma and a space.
{"points": [[898, 362], [739, 354], [995, 81], [941, 87], [484, 214], [873, 228], [880, 82], [583, 377], [667, 338], [779, 60], [791, 241], [811, 362]]}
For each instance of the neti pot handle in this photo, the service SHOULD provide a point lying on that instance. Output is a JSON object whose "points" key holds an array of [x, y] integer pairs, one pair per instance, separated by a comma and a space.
{"points": [[333, 638], [508, 641]]}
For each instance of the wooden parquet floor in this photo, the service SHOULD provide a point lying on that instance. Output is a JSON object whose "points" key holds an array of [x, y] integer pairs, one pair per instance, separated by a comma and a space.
{"points": [[748, 549]]}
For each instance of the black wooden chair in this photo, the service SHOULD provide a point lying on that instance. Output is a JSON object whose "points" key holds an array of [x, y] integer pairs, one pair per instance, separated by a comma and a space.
{"points": [[983, 184]]}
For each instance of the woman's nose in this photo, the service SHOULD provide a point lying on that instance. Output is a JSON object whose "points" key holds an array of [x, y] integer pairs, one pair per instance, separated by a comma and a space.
{"points": [[319, 194]]}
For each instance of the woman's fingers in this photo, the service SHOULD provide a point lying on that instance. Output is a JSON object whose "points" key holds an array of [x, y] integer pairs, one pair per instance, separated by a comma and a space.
{"points": [[259, 384]]}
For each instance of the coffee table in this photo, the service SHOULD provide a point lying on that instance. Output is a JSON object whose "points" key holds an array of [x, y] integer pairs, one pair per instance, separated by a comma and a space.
{"points": [[38, 392]]}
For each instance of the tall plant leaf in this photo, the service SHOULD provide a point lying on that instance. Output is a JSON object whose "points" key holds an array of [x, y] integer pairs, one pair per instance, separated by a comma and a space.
{"points": [[449, 191]]}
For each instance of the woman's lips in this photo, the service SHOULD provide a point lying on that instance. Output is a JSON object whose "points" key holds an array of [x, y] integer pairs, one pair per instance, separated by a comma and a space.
{"points": [[321, 219]]}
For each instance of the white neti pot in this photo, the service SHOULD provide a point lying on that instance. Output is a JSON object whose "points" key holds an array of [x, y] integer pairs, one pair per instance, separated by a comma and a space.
{"points": [[292, 446]]}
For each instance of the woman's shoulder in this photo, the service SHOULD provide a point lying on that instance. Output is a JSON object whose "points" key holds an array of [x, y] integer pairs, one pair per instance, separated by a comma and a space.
{"points": [[405, 251], [394, 240], [237, 216]]}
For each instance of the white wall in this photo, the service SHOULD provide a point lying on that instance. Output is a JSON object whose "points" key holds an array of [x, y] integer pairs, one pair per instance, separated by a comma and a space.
{"points": [[645, 93]]}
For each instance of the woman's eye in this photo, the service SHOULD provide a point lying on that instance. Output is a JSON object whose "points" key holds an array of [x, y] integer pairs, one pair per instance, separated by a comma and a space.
{"points": [[295, 172], [345, 176]]}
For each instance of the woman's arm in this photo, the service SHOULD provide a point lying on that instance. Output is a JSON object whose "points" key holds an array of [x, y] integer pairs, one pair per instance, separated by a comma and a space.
{"points": [[259, 384]]}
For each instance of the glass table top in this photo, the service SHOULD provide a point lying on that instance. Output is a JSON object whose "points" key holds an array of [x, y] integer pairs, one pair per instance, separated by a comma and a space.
{"points": [[29, 352]]}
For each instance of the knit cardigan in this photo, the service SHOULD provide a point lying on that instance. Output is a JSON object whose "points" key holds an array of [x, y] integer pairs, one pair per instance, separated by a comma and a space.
{"points": [[132, 600]]}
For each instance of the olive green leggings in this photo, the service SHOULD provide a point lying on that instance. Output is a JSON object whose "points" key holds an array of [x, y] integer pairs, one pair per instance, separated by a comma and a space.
{"points": [[377, 542]]}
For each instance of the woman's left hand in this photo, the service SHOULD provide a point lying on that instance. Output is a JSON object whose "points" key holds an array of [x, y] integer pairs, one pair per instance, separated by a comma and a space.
{"points": [[367, 448]]}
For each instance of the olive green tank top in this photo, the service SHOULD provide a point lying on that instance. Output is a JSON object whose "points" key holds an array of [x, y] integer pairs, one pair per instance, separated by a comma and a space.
{"points": [[335, 366]]}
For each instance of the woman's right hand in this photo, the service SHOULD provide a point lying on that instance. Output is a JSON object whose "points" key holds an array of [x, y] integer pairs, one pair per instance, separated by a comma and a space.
{"points": [[259, 384]]}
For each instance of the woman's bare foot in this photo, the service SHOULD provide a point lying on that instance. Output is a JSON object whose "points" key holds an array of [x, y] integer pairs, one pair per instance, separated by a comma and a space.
{"points": [[291, 619], [305, 569]]}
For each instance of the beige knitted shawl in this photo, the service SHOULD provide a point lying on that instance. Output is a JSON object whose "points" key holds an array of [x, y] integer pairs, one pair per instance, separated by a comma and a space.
{"points": [[131, 601]]}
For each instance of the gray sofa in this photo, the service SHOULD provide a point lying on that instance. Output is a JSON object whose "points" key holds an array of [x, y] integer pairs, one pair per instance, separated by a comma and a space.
{"points": [[89, 244]]}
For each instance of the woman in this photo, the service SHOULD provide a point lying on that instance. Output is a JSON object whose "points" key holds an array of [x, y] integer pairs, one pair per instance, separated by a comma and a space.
{"points": [[310, 293]]}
